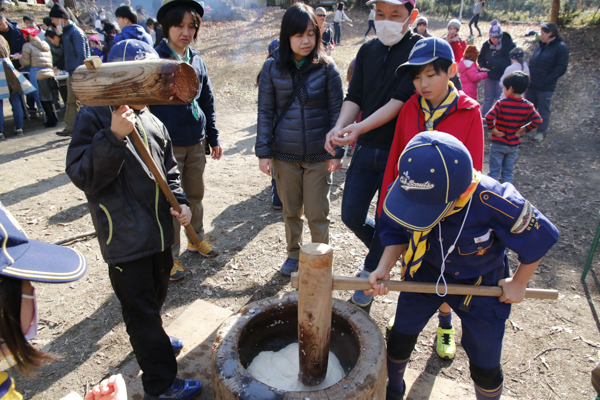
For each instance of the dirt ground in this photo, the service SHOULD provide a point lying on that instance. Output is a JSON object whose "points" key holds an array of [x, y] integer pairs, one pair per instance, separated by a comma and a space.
{"points": [[550, 346]]}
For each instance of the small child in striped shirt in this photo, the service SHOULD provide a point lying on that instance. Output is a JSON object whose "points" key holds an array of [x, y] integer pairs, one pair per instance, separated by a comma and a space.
{"points": [[508, 120]]}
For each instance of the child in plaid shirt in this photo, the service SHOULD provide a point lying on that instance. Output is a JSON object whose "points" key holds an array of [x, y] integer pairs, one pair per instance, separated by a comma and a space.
{"points": [[508, 120]]}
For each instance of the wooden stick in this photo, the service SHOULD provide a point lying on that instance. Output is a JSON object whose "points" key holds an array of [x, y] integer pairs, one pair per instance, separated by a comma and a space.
{"points": [[78, 236], [349, 283], [314, 311], [160, 179]]}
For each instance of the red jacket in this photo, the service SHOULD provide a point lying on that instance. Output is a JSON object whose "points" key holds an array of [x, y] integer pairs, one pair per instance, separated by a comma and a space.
{"points": [[463, 122], [458, 48]]}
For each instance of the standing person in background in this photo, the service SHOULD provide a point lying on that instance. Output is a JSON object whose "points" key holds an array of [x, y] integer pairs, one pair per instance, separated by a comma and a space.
{"points": [[458, 47], [192, 126], [548, 62], [127, 19], [518, 64], [421, 27], [299, 99], [326, 33], [98, 24], [9, 89], [371, 21], [470, 73], [11, 32], [110, 31], [477, 8], [150, 24], [76, 49], [495, 56], [339, 17]]}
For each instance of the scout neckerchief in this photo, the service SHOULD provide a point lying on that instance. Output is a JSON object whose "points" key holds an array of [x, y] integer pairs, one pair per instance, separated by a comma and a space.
{"points": [[188, 59], [433, 116], [418, 242], [7, 388]]}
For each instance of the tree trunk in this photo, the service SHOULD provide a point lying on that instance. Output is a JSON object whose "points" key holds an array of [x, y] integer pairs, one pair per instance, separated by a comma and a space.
{"points": [[555, 10]]}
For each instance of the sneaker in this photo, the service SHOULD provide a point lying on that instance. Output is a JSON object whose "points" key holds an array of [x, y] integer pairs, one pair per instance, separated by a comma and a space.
{"points": [[480, 35], [391, 394], [19, 132], [205, 248], [445, 346], [361, 300], [289, 266], [2, 137], [176, 343], [180, 389], [177, 272], [65, 132], [539, 137]]}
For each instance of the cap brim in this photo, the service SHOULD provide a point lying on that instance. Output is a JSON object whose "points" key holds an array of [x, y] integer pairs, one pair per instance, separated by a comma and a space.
{"points": [[396, 2], [416, 61], [163, 10], [409, 213], [45, 262]]}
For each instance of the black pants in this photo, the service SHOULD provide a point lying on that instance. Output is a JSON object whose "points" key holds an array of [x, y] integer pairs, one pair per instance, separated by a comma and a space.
{"points": [[474, 20], [141, 287], [371, 26]]}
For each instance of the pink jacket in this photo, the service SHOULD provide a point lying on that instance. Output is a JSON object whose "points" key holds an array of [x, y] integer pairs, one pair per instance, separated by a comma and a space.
{"points": [[469, 77]]}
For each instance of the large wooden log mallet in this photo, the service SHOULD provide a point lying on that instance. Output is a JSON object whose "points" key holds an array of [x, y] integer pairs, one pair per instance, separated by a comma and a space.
{"points": [[147, 82]]}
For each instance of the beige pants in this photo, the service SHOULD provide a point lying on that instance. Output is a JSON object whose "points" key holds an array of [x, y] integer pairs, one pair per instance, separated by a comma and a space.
{"points": [[72, 106], [303, 187], [191, 161]]}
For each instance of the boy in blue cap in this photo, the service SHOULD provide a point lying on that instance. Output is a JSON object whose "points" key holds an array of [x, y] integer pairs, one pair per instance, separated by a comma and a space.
{"points": [[126, 204], [453, 225]]}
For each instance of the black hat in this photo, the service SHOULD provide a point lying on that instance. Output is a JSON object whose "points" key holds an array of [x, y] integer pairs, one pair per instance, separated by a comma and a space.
{"points": [[59, 11], [169, 4]]}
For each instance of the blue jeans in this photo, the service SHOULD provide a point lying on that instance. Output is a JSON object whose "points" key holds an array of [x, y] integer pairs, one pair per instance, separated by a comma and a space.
{"points": [[542, 101], [36, 94], [17, 109], [337, 33], [363, 181], [491, 93], [502, 161]]}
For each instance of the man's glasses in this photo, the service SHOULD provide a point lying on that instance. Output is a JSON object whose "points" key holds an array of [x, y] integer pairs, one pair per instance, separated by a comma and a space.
{"points": [[320, 15]]}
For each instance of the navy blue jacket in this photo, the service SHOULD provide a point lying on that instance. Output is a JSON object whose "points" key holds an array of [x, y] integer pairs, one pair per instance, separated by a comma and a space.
{"points": [[134, 32], [14, 37], [548, 63], [76, 47], [184, 129], [496, 61]]}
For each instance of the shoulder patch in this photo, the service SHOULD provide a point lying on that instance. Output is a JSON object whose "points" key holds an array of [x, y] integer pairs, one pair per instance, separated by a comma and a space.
{"points": [[498, 203], [524, 218]]}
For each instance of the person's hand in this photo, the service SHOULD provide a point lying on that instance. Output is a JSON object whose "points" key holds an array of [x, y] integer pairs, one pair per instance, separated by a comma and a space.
{"points": [[513, 291], [329, 144], [520, 131], [56, 70], [379, 289], [348, 135], [122, 122], [216, 152], [335, 164], [496, 132], [184, 217], [112, 388], [15, 56], [265, 165]]}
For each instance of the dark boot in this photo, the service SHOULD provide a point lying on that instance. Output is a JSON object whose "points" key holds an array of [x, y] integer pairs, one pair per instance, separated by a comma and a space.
{"points": [[51, 118]]}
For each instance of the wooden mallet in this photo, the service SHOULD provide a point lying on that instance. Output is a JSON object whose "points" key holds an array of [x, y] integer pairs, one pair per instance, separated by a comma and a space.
{"points": [[147, 82]]}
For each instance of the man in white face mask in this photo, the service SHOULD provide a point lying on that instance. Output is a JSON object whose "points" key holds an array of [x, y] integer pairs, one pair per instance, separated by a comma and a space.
{"points": [[379, 94]]}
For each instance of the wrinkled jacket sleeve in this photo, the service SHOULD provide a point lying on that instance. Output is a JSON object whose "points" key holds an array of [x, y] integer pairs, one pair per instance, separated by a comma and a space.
{"points": [[95, 155], [475, 76], [206, 101], [81, 46], [26, 56], [335, 98], [266, 112], [562, 62], [173, 176]]}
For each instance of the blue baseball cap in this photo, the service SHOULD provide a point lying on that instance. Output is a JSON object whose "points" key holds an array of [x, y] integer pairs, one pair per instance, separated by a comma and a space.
{"points": [[22, 258], [131, 50], [433, 171], [428, 50]]}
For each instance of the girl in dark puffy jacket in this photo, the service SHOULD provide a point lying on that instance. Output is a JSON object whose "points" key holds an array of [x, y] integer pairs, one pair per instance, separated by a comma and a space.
{"points": [[299, 99]]}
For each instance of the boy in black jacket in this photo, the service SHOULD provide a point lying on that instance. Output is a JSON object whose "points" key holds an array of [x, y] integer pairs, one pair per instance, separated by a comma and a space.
{"points": [[133, 222]]}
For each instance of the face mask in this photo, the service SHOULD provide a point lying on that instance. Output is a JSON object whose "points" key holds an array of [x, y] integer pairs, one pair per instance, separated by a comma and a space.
{"points": [[102, 16], [390, 32], [32, 329]]}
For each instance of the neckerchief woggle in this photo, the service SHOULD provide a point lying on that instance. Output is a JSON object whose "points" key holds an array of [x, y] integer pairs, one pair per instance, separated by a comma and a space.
{"points": [[187, 58], [433, 116], [418, 242]]}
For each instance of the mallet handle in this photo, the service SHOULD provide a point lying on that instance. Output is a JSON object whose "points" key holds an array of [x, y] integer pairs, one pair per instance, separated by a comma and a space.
{"points": [[160, 179], [350, 283]]}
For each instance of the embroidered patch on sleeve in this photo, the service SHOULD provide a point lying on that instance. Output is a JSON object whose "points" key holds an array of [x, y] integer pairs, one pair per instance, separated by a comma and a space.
{"points": [[524, 218]]}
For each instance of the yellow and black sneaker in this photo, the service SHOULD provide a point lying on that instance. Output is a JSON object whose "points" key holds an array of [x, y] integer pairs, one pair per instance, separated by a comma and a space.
{"points": [[205, 248], [445, 345], [177, 272]]}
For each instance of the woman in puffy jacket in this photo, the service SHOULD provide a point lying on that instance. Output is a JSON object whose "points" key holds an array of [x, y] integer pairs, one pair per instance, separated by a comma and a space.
{"points": [[470, 73], [299, 99], [36, 54]]}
